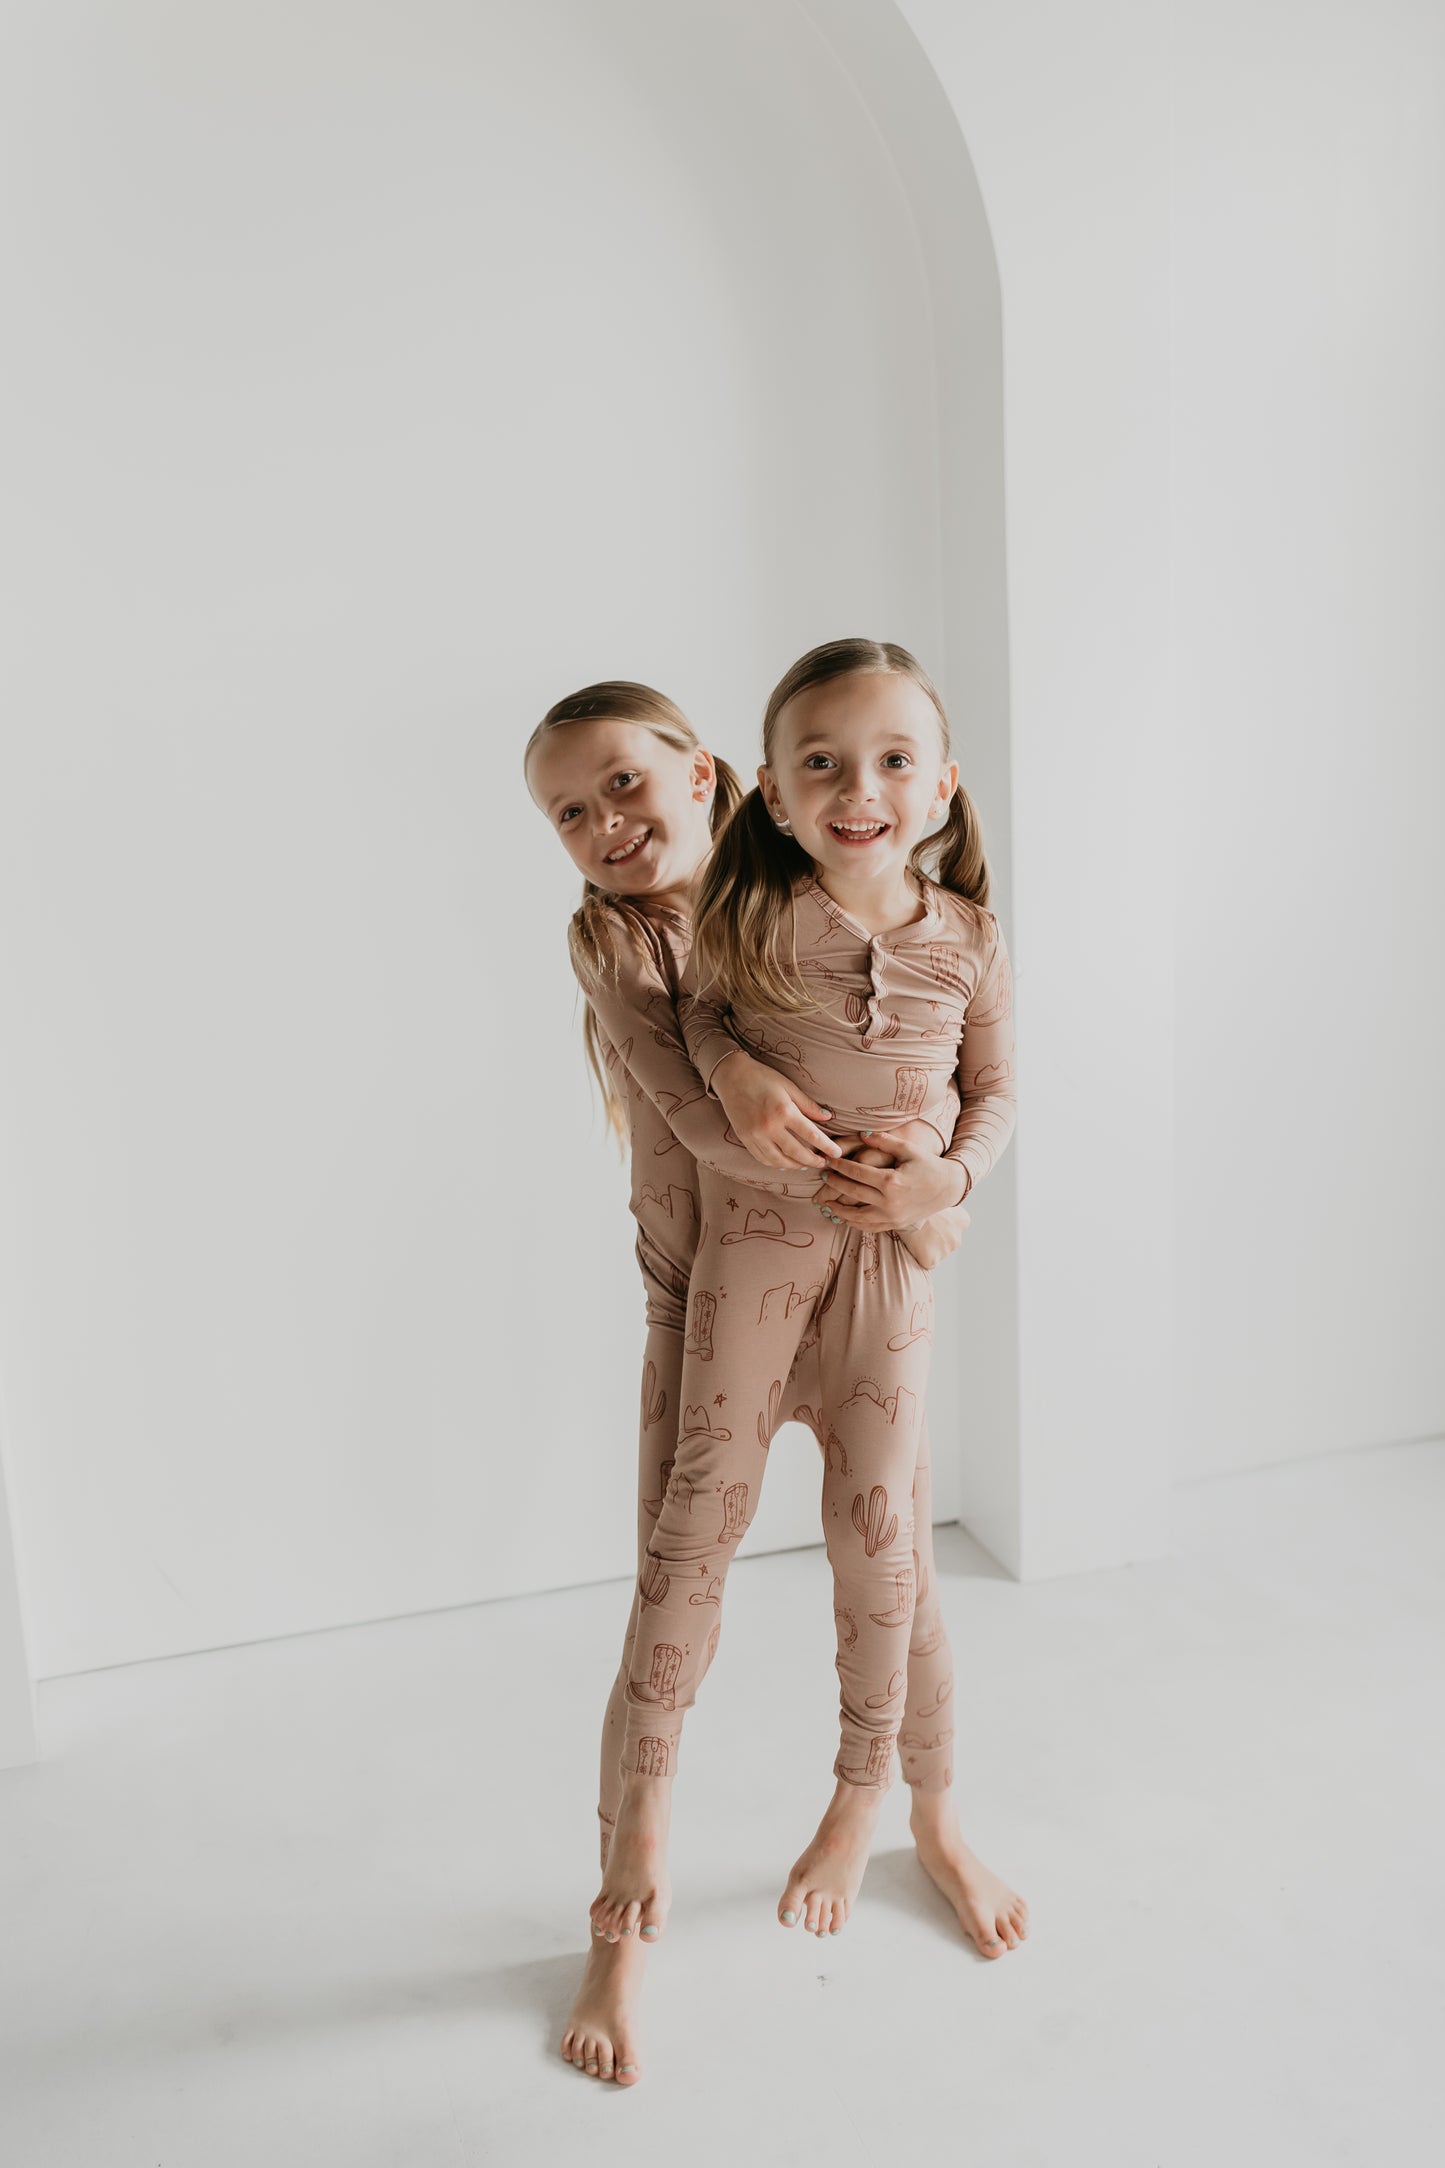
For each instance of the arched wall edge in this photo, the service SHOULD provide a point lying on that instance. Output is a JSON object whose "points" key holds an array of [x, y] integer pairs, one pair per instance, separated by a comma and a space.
{"points": [[894, 79]]}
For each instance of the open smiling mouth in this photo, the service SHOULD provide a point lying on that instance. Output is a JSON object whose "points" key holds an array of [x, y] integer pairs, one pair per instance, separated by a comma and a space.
{"points": [[624, 851], [858, 831]]}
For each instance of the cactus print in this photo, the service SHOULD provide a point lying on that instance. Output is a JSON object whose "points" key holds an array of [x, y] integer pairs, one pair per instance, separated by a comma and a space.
{"points": [[862, 1396], [872, 1525]]}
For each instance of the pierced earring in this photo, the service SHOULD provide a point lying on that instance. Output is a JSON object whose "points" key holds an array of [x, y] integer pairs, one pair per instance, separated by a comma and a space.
{"points": [[784, 828]]}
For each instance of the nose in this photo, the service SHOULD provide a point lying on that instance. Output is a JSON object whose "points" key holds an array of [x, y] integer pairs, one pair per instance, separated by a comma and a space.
{"points": [[605, 819], [857, 786]]}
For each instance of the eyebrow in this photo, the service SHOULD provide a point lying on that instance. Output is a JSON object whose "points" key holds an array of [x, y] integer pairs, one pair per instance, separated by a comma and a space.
{"points": [[825, 737]]}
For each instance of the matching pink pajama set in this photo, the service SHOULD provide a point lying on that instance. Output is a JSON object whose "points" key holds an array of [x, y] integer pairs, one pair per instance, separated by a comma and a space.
{"points": [[759, 1310]]}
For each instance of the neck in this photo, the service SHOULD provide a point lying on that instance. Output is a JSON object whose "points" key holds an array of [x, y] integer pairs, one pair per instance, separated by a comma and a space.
{"points": [[880, 901]]}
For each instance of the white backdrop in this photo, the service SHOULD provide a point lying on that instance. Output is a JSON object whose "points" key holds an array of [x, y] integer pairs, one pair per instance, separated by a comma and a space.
{"points": [[388, 372], [1309, 498]]}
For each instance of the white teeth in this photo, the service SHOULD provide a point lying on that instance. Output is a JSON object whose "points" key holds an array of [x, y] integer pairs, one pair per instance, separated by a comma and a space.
{"points": [[618, 858], [858, 828]]}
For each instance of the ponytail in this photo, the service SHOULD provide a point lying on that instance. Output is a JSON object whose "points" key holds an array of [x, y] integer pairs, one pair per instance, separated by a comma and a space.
{"points": [[956, 852], [744, 903]]}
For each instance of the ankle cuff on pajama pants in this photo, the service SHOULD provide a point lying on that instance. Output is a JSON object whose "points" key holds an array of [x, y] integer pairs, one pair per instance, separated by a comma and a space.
{"points": [[871, 1764], [927, 1768]]}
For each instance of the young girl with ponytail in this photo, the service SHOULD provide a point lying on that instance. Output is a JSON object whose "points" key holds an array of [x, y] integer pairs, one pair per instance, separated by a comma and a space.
{"points": [[841, 937], [635, 799]]}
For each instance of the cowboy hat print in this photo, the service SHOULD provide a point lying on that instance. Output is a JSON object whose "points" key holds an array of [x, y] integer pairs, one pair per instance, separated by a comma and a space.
{"points": [[919, 1328], [768, 1226], [697, 1423]]}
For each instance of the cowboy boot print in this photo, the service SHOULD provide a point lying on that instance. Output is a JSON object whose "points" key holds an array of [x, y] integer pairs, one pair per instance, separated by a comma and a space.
{"points": [[735, 1507], [652, 1757], [875, 1770], [768, 1422], [661, 1686], [701, 1312], [664, 1474], [653, 1583], [902, 1610], [910, 1089], [877, 1526]]}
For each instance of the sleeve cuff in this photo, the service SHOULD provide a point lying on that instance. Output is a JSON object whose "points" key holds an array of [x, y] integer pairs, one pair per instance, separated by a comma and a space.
{"points": [[710, 1048]]}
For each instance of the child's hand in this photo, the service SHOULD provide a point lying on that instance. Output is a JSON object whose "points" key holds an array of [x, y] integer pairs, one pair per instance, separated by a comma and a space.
{"points": [[936, 1239], [770, 1117], [865, 1192]]}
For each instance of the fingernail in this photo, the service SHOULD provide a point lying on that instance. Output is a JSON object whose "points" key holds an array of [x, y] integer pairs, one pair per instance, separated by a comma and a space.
{"points": [[649, 1930], [788, 1918]]}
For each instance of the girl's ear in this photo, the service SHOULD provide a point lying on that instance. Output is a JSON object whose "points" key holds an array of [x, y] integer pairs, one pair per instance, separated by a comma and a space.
{"points": [[947, 785], [769, 790], [704, 774]]}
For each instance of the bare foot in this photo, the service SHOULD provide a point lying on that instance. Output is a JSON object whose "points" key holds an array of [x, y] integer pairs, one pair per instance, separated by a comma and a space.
{"points": [[636, 1893], [988, 1911], [601, 2035], [823, 1884]]}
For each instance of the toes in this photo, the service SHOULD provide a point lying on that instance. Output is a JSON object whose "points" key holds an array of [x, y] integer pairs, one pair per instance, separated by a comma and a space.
{"points": [[651, 1921], [628, 2073], [841, 1910], [604, 2059], [630, 1916], [791, 1904]]}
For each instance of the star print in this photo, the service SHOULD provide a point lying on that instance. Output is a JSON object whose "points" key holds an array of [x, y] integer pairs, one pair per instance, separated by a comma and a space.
{"points": [[732, 1204], [719, 1399]]}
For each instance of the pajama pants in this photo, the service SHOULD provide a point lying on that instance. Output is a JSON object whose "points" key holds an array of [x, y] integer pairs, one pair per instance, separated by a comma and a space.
{"points": [[788, 1317]]}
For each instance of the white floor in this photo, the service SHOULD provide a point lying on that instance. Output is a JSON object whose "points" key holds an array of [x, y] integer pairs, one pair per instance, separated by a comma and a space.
{"points": [[323, 1901]]}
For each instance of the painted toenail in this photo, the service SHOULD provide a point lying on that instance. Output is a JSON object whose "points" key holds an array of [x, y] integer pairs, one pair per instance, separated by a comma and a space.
{"points": [[833, 1930], [790, 1917], [626, 2067], [649, 1930]]}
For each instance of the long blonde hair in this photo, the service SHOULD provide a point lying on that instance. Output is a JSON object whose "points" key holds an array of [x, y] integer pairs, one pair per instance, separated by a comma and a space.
{"points": [[592, 931], [743, 917]]}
